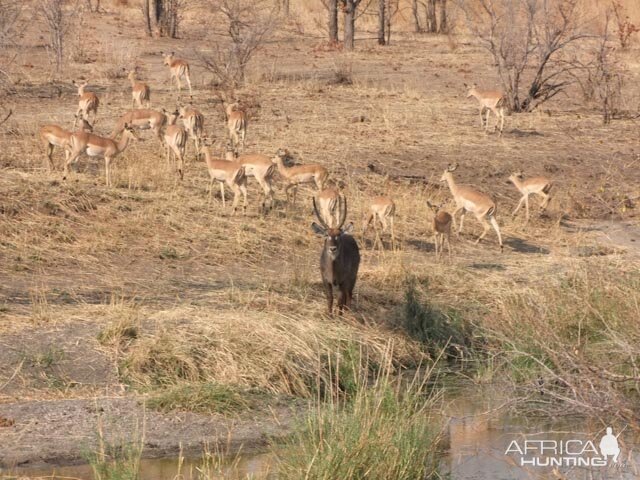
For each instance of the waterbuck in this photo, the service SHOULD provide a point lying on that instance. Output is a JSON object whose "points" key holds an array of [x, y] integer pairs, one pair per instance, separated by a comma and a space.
{"points": [[340, 257]]}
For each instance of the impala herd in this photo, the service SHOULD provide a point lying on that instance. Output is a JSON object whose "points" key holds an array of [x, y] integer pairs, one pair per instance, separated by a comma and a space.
{"points": [[340, 256]]}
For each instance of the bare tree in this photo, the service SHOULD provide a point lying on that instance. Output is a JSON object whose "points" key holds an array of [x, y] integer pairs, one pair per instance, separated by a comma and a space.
{"points": [[443, 24], [382, 7], [248, 24], [91, 7], [416, 16], [349, 8], [162, 17], [528, 36], [625, 28], [431, 20], [608, 76], [58, 16], [332, 19]]}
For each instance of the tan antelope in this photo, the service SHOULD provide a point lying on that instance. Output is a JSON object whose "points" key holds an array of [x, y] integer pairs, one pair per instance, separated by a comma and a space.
{"points": [[441, 228], [536, 185], [383, 210], [194, 123], [469, 200], [95, 146], [262, 169], [236, 124], [175, 140], [340, 258], [53, 136], [88, 102], [179, 69], [140, 92], [141, 119], [299, 174], [491, 101], [230, 173], [327, 201]]}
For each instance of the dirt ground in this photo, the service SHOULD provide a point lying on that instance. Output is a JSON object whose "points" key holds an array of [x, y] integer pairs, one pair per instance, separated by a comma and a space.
{"points": [[72, 252]]}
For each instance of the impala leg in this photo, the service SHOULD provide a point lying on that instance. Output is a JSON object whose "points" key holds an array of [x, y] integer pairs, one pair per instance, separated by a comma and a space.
{"points": [[501, 120], [481, 117], [107, 169], [72, 159], [180, 164], [393, 234], [243, 189], [435, 243], [497, 114], [236, 197], [447, 237], [243, 134], [545, 202], [461, 222], [188, 79], [494, 223], [526, 206], [519, 205], [486, 126], [486, 228], [211, 189], [224, 206], [50, 156]]}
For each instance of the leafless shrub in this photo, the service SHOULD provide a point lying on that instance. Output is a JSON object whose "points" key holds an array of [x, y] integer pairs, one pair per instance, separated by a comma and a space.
{"points": [[10, 11], [162, 17], [625, 28], [247, 24], [58, 16], [524, 36]]}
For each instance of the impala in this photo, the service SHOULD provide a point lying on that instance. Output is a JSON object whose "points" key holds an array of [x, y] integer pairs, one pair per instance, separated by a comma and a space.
{"points": [[537, 185], [194, 123], [53, 136], [340, 257], [237, 125], [327, 201], [299, 174], [382, 210], [230, 173], [175, 140], [441, 228], [491, 101], [88, 102], [179, 69], [470, 200], [142, 119], [140, 91], [95, 146], [262, 169]]}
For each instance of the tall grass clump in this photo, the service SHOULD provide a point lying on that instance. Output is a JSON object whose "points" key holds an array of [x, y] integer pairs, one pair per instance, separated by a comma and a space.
{"points": [[574, 346], [386, 430]]}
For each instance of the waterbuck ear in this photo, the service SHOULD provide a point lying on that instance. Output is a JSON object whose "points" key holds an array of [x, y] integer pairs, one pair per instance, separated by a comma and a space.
{"points": [[318, 230], [349, 228]]}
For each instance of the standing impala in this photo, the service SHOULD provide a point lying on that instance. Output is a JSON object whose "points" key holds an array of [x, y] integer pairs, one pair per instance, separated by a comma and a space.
{"points": [[262, 169], [88, 102], [175, 140], [141, 119], [53, 136], [140, 91], [237, 125], [299, 174], [194, 123], [340, 257], [491, 101], [95, 146], [470, 200], [179, 69], [441, 228], [536, 185], [230, 173], [383, 210]]}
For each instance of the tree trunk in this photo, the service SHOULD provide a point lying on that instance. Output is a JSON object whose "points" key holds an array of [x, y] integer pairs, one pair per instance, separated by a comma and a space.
{"points": [[432, 24], [349, 9], [333, 21], [443, 26], [285, 8], [416, 18], [147, 17], [381, 22], [161, 17]]}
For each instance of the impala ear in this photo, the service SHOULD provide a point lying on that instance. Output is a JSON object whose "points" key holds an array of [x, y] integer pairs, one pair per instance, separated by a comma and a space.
{"points": [[349, 228], [318, 230]]}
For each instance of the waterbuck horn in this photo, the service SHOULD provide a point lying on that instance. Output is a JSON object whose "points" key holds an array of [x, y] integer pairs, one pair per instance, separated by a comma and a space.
{"points": [[342, 202], [320, 219]]}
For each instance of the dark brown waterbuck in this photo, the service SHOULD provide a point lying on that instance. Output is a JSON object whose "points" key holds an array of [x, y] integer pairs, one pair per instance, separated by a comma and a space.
{"points": [[340, 257]]}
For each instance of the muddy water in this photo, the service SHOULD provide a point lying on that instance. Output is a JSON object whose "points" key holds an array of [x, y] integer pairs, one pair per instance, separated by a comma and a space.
{"points": [[480, 431]]}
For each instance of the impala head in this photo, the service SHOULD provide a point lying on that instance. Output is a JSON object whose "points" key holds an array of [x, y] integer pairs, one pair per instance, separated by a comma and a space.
{"points": [[281, 155], [84, 124], [171, 117], [515, 176], [132, 75], [471, 89], [333, 235], [80, 86], [130, 131], [168, 58], [448, 171]]}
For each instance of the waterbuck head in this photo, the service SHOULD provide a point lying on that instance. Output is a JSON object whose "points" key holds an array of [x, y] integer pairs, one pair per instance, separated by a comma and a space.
{"points": [[340, 256]]}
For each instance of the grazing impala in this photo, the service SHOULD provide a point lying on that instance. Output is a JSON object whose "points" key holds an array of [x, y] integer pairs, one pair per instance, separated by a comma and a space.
{"points": [[53, 136], [382, 210], [340, 257], [141, 119], [179, 69], [88, 102], [537, 185], [327, 201], [470, 200], [140, 91], [491, 101], [230, 173], [262, 169], [194, 123], [95, 146], [175, 140], [441, 228], [237, 125], [299, 174]]}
